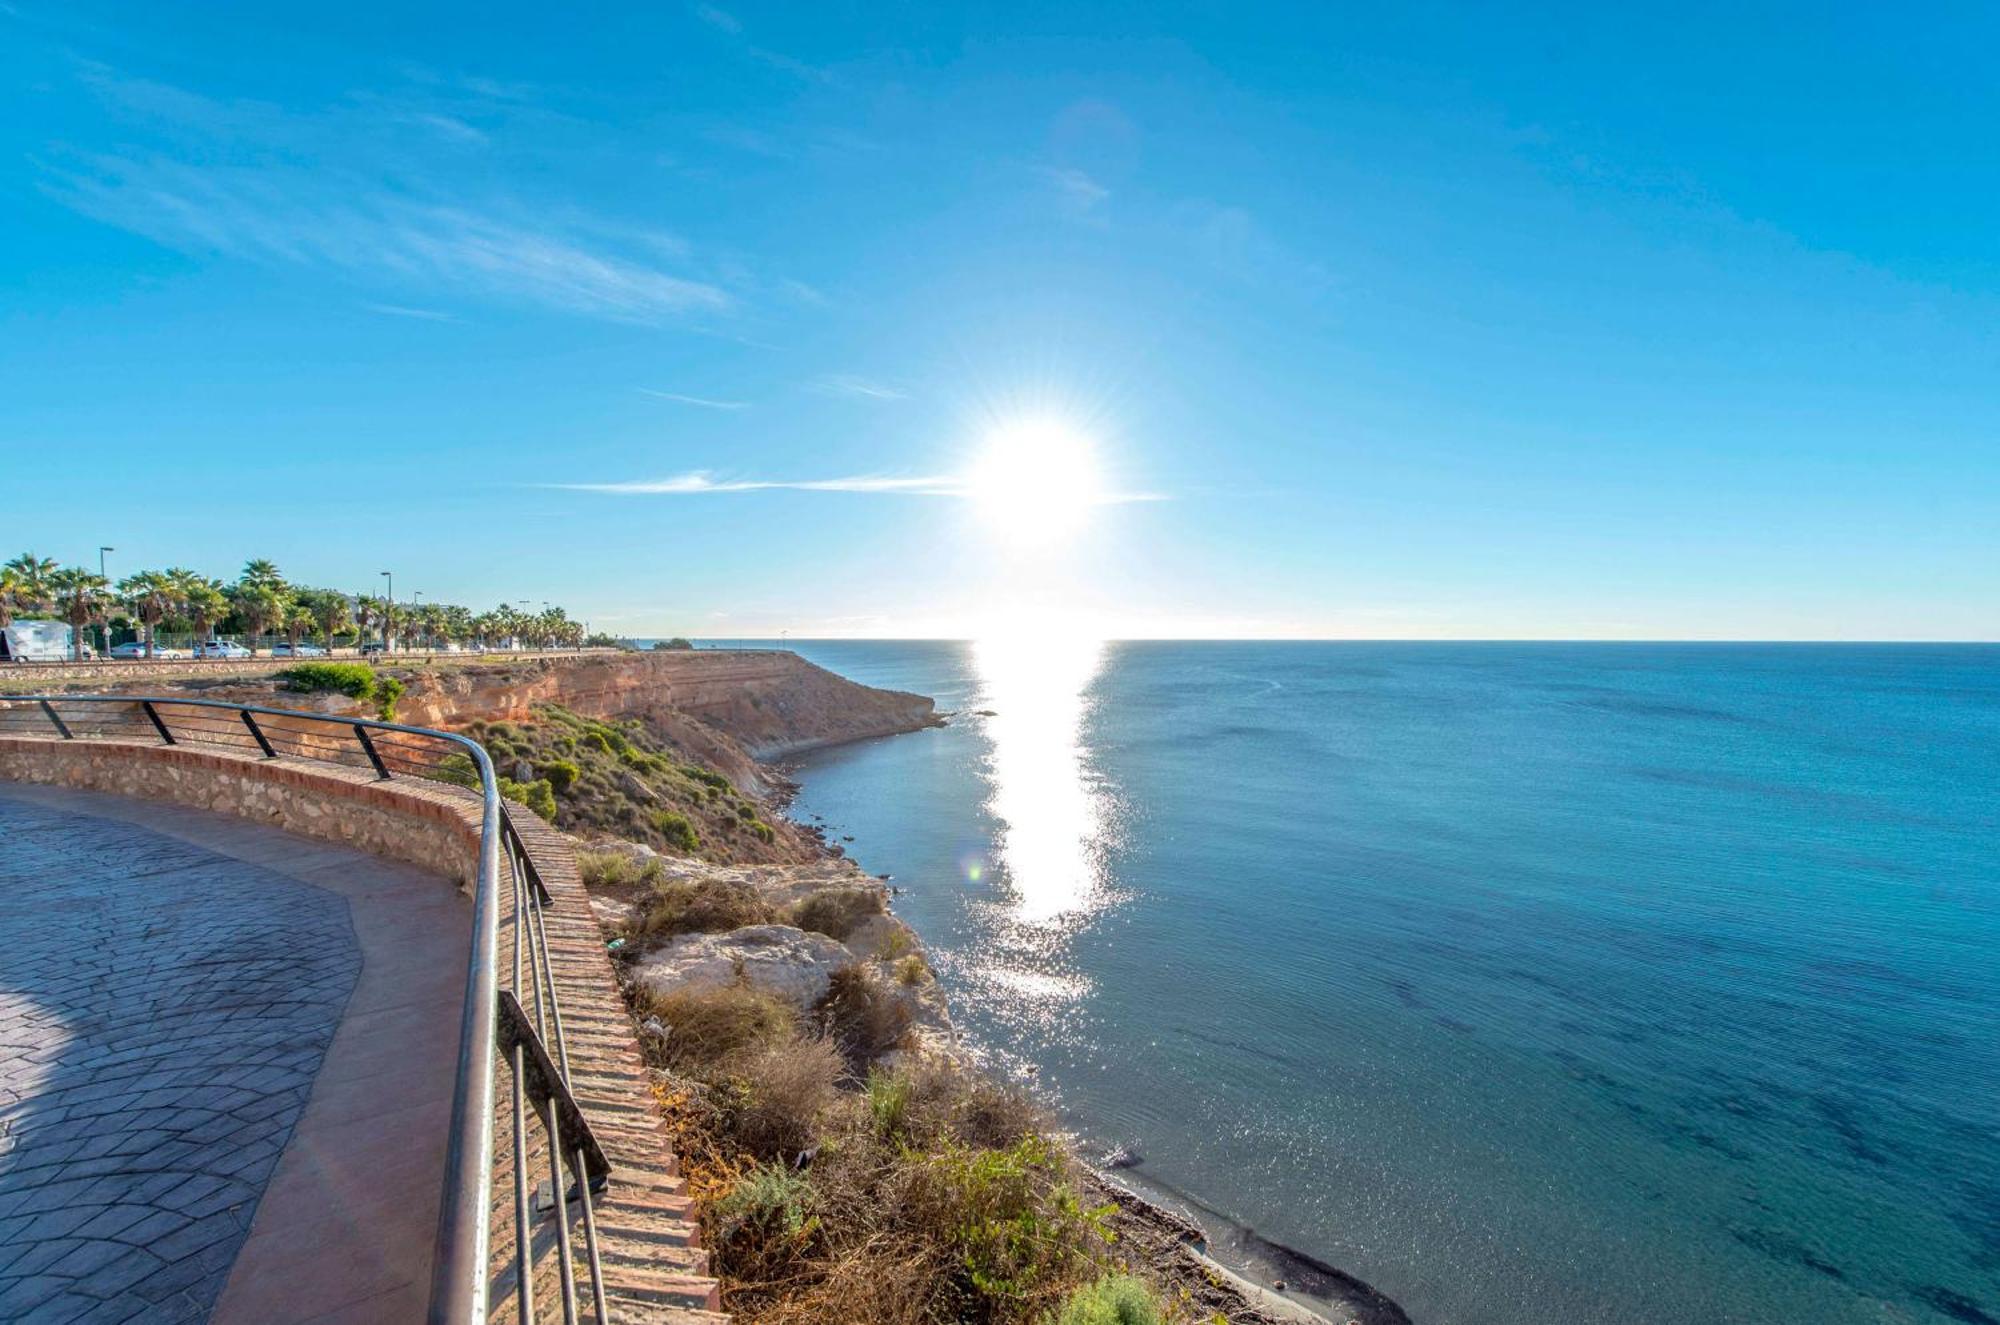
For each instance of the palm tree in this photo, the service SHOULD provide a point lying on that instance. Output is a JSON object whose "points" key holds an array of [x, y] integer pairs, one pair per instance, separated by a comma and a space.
{"points": [[261, 604], [297, 620], [24, 586], [330, 614], [431, 621], [202, 600], [82, 596], [150, 596], [262, 574]]}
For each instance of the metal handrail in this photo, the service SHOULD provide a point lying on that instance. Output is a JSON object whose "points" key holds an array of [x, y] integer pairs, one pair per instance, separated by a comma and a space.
{"points": [[494, 1020]]}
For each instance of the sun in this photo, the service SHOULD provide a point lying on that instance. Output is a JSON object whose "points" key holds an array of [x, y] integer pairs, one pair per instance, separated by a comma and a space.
{"points": [[1036, 481]]}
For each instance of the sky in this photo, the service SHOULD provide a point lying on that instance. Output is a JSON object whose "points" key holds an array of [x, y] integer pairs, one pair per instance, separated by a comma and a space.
{"points": [[1423, 320]]}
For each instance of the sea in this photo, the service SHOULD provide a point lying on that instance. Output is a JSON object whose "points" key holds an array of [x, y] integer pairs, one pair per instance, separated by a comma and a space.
{"points": [[1527, 983]]}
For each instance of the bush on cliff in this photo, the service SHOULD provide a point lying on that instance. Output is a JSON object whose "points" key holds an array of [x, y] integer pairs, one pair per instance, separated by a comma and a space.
{"points": [[1115, 1299], [835, 912], [931, 1194], [537, 795], [700, 906], [355, 680], [675, 828], [561, 773]]}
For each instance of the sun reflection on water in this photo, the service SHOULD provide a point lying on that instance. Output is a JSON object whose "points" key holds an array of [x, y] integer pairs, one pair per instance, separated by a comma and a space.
{"points": [[1052, 808]]}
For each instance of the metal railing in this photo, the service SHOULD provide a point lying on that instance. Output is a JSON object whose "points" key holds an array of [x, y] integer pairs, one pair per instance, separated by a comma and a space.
{"points": [[519, 1021]]}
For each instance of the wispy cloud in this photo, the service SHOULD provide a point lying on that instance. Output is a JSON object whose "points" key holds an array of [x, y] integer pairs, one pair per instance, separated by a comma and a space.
{"points": [[278, 216], [1080, 194], [849, 384], [704, 481], [720, 19], [701, 482], [702, 401], [330, 188], [403, 310]]}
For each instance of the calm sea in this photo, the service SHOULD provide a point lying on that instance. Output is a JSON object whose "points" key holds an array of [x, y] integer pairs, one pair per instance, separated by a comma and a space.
{"points": [[1529, 983]]}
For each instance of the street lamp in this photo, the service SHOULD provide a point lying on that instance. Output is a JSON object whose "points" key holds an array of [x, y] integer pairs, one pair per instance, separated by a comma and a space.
{"points": [[104, 626], [390, 611]]}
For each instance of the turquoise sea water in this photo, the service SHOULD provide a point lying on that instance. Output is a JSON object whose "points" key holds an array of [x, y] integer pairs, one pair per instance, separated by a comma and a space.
{"points": [[1529, 983]]}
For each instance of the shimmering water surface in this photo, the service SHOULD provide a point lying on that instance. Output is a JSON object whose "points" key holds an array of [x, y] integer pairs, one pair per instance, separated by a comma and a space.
{"points": [[1529, 983]]}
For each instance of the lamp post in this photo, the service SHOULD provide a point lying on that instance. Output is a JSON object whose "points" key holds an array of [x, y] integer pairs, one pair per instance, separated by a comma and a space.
{"points": [[389, 611], [104, 626]]}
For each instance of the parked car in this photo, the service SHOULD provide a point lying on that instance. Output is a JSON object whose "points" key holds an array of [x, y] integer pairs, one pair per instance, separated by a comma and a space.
{"points": [[221, 649], [137, 649], [302, 651], [373, 647]]}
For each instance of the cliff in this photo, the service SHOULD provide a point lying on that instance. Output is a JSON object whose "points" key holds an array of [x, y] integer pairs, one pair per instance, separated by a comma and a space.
{"points": [[728, 710]]}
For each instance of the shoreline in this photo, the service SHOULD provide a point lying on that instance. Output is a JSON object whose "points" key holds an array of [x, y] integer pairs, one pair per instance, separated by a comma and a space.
{"points": [[1173, 1223]]}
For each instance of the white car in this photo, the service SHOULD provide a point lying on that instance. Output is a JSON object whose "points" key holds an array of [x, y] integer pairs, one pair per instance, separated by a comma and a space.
{"points": [[137, 649], [302, 651], [221, 649]]}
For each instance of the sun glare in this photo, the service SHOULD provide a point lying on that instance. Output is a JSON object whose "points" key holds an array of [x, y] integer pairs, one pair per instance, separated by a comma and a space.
{"points": [[1036, 481]]}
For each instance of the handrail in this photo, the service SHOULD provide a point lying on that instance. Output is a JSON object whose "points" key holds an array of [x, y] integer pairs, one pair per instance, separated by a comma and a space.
{"points": [[494, 1021]]}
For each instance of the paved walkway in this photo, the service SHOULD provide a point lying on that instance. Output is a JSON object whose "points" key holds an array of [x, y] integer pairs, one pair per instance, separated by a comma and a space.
{"points": [[225, 1067]]}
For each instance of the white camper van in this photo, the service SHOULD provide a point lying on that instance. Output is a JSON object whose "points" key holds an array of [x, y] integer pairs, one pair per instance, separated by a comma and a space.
{"points": [[35, 641]]}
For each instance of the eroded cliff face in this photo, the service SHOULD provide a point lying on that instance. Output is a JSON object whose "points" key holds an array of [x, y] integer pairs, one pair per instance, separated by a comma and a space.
{"points": [[726, 710]]}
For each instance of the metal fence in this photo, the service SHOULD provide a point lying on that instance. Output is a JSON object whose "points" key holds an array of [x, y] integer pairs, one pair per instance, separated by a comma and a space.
{"points": [[518, 1020]]}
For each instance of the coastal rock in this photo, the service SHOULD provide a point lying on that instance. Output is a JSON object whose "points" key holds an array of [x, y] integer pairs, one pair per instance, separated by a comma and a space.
{"points": [[791, 963]]}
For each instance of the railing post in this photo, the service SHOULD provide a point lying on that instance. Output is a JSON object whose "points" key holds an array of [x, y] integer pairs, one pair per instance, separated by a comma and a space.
{"points": [[56, 718], [262, 742], [361, 733], [159, 725]]}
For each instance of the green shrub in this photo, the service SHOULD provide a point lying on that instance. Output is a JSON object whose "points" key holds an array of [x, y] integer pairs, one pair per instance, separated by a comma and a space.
{"points": [[1115, 1299], [597, 740], [355, 680], [537, 795], [772, 1199], [387, 691], [835, 912], [763, 830], [675, 828], [561, 773], [888, 1101], [1010, 1214], [457, 769]]}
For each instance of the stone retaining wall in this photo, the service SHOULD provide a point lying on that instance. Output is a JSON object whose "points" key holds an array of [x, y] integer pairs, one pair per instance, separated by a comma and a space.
{"points": [[424, 823]]}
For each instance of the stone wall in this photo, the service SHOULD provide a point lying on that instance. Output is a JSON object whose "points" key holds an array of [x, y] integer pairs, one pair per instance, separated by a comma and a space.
{"points": [[426, 823]]}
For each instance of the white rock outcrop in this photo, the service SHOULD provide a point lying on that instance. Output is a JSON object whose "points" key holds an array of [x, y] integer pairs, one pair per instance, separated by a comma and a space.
{"points": [[793, 964]]}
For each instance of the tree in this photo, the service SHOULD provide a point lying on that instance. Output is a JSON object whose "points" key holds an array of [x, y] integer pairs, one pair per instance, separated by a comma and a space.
{"points": [[262, 574], [260, 604], [82, 596], [24, 587], [202, 600], [149, 596], [330, 613], [298, 619]]}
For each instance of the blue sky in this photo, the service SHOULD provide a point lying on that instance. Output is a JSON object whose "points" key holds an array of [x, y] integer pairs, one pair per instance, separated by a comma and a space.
{"points": [[1406, 320]]}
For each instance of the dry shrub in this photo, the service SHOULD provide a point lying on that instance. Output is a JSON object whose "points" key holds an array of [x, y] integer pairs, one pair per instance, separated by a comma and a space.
{"points": [[710, 1028], [700, 906], [615, 869], [862, 1015], [782, 1091], [835, 912], [947, 1100]]}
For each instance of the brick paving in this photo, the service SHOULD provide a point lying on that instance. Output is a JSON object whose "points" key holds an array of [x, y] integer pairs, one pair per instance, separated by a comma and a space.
{"points": [[164, 1011]]}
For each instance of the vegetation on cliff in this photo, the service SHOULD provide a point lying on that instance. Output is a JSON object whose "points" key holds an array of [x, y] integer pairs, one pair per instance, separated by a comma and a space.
{"points": [[590, 776], [915, 1193]]}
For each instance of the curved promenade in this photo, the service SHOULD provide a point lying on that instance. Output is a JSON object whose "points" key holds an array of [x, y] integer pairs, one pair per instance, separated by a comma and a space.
{"points": [[231, 1069], [225, 1067]]}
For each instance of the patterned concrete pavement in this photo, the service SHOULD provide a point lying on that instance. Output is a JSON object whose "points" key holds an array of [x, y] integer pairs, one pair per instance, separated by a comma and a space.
{"points": [[225, 1058]]}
